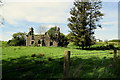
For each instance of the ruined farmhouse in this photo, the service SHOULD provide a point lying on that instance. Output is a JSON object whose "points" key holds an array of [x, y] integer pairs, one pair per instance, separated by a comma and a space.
{"points": [[42, 39]]}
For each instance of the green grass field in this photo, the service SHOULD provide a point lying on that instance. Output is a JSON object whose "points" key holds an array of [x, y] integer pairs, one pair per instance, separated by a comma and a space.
{"points": [[47, 62]]}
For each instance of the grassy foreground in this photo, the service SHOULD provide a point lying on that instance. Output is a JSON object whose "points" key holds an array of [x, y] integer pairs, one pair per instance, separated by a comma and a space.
{"points": [[37, 63]]}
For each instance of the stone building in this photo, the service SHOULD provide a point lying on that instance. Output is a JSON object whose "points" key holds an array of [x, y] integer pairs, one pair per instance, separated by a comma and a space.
{"points": [[42, 39]]}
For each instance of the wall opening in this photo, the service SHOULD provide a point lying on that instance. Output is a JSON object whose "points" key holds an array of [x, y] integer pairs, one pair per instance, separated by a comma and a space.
{"points": [[39, 42], [32, 42], [32, 37], [51, 43]]}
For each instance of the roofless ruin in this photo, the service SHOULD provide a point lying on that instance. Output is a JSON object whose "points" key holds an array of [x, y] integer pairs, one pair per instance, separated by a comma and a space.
{"points": [[42, 39]]}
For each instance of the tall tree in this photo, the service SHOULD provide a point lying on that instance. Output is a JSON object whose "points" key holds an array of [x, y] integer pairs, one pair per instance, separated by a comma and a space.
{"points": [[84, 20]]}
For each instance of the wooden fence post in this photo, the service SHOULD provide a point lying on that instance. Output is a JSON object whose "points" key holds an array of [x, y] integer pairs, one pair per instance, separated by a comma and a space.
{"points": [[115, 56], [115, 53], [66, 63]]}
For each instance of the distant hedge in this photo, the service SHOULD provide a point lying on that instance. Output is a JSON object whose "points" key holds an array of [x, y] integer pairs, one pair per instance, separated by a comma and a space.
{"points": [[115, 40], [3, 43]]}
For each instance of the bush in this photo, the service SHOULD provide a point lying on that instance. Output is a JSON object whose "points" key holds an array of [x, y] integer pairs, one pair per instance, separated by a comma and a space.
{"points": [[33, 55], [17, 40], [110, 46], [103, 46], [63, 40], [40, 55], [115, 40], [72, 45], [50, 59]]}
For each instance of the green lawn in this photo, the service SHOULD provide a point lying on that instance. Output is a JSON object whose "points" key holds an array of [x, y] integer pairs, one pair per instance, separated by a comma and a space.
{"points": [[18, 64], [16, 52]]}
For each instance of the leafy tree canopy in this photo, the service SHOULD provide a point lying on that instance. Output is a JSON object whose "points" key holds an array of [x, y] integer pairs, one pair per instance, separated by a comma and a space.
{"points": [[17, 40], [54, 34]]}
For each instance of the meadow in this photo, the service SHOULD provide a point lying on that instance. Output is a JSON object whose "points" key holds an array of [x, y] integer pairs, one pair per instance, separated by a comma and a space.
{"points": [[39, 63]]}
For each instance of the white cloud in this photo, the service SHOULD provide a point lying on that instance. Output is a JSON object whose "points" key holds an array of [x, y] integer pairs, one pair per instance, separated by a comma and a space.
{"points": [[43, 28], [101, 29], [110, 23], [111, 28], [6, 35], [39, 0], [47, 12], [54, 0], [107, 33]]}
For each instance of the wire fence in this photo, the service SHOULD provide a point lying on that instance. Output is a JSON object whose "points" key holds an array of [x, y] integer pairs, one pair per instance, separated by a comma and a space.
{"points": [[81, 54]]}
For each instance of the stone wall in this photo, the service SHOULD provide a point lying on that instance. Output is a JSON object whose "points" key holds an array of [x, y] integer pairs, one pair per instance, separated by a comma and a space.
{"points": [[28, 40], [40, 40]]}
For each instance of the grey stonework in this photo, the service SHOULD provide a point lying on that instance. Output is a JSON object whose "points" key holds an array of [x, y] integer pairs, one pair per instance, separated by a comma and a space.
{"points": [[41, 40]]}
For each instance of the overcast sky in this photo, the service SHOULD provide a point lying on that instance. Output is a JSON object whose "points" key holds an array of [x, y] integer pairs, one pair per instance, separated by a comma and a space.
{"points": [[19, 16]]}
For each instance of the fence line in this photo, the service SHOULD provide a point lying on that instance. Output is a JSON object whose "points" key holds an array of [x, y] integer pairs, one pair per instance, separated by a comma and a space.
{"points": [[67, 61], [88, 54], [101, 53]]}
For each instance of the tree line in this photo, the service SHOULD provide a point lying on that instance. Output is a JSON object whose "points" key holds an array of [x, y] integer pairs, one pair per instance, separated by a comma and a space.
{"points": [[19, 39], [84, 19]]}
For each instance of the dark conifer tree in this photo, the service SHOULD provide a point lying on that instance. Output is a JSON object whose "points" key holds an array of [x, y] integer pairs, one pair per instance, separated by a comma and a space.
{"points": [[84, 20]]}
